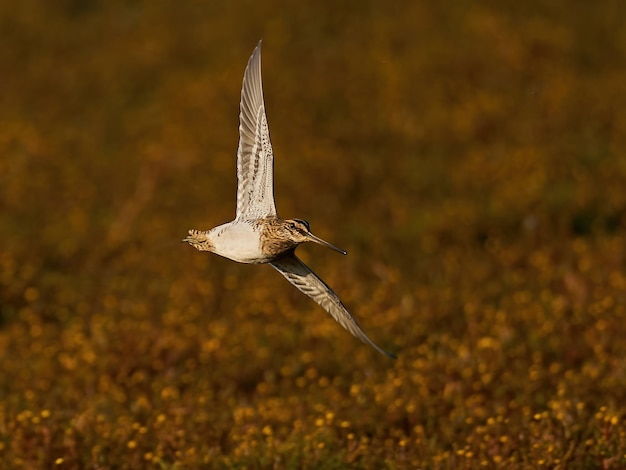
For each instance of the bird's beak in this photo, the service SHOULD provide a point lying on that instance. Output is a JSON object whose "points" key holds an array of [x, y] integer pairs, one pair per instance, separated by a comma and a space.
{"points": [[319, 241]]}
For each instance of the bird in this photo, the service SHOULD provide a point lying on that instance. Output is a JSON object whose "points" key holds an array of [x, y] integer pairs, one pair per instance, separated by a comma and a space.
{"points": [[257, 235]]}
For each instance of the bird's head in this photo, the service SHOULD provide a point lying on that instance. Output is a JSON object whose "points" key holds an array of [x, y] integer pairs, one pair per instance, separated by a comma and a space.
{"points": [[299, 231], [199, 240]]}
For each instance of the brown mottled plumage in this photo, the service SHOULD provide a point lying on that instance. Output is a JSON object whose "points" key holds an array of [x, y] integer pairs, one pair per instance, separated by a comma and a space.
{"points": [[280, 236], [199, 240]]}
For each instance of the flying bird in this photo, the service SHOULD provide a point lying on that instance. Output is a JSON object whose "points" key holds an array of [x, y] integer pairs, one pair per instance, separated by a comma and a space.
{"points": [[258, 235]]}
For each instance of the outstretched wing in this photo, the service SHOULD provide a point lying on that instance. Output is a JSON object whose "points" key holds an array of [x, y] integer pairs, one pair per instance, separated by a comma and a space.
{"points": [[299, 274], [255, 159]]}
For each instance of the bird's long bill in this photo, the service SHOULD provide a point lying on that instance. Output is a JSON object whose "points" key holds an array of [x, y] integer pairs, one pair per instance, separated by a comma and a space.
{"points": [[319, 241]]}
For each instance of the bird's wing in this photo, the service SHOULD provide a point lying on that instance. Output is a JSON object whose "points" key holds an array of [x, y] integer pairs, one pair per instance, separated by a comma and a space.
{"points": [[255, 159], [299, 274]]}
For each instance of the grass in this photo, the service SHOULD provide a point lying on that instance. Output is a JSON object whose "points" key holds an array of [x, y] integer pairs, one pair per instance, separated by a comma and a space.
{"points": [[468, 157]]}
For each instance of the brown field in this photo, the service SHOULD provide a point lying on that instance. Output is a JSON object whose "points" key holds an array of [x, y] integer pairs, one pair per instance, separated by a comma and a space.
{"points": [[469, 156]]}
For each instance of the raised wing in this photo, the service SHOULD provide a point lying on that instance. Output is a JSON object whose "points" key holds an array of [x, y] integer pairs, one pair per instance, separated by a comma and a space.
{"points": [[299, 274], [255, 159]]}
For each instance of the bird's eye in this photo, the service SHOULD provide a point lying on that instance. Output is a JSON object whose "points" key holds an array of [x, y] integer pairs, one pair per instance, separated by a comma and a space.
{"points": [[292, 225]]}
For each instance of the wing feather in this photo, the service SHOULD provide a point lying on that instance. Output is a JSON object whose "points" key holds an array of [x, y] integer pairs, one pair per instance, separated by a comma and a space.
{"points": [[255, 158], [299, 274]]}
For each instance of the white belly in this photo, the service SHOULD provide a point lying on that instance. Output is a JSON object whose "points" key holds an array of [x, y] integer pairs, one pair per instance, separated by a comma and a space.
{"points": [[237, 241]]}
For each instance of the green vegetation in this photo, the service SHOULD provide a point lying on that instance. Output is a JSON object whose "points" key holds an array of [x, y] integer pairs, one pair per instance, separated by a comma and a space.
{"points": [[470, 156]]}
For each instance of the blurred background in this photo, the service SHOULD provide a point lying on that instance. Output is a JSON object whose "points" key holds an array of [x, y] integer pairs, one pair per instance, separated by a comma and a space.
{"points": [[469, 156]]}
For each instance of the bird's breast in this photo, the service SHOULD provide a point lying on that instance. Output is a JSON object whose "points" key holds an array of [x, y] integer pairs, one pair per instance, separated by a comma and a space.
{"points": [[275, 241]]}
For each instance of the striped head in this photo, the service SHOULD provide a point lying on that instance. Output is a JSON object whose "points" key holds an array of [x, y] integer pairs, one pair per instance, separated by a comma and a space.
{"points": [[280, 236]]}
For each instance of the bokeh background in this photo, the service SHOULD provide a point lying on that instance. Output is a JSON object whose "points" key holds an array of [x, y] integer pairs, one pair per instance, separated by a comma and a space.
{"points": [[468, 155]]}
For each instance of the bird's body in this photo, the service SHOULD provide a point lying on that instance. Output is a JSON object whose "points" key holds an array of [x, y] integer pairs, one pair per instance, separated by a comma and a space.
{"points": [[251, 241], [258, 235], [236, 240]]}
